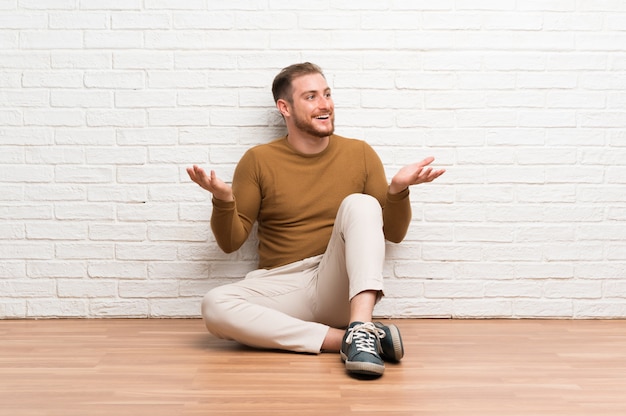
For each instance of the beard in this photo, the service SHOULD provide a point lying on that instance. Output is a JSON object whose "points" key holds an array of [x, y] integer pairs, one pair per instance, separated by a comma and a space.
{"points": [[307, 125]]}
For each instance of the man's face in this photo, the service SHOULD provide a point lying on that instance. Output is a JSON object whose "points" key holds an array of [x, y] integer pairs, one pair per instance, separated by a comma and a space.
{"points": [[313, 110]]}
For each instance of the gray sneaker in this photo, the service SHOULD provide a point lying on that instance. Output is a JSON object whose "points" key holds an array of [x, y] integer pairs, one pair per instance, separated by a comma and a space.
{"points": [[391, 348], [360, 349]]}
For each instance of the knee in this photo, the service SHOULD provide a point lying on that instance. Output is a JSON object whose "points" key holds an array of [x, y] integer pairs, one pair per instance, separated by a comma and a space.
{"points": [[214, 309], [361, 200], [362, 204]]}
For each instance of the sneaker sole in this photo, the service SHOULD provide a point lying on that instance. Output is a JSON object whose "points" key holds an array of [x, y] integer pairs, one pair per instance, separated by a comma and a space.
{"points": [[367, 369], [398, 348], [363, 368]]}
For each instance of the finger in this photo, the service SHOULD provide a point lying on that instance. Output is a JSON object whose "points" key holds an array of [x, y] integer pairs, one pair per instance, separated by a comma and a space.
{"points": [[192, 174], [436, 174], [198, 170], [425, 173], [427, 161], [202, 174]]}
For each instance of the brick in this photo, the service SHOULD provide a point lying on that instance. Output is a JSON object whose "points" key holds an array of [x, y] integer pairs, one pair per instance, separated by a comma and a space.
{"points": [[148, 289], [599, 309], [84, 250], [116, 118], [182, 308], [85, 99], [81, 136], [491, 308], [56, 269], [54, 155], [12, 232], [56, 308], [183, 233], [166, 135], [113, 39], [176, 79], [54, 192], [11, 117], [55, 118], [82, 174], [178, 117], [204, 60], [23, 98], [11, 193], [140, 20], [84, 59], [147, 212], [28, 288], [214, 20], [113, 308], [78, 20], [545, 233], [567, 252], [178, 193], [23, 21], [553, 270], [217, 97], [51, 39], [543, 308], [175, 40], [181, 270], [24, 174], [144, 99], [116, 156], [147, 174], [117, 269], [145, 252], [576, 289], [58, 231], [117, 193], [117, 232], [25, 60], [175, 5], [85, 289], [48, 5], [514, 289], [26, 211], [12, 308]]}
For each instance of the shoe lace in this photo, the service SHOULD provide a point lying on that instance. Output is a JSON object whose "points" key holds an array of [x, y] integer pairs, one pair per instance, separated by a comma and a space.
{"points": [[366, 337]]}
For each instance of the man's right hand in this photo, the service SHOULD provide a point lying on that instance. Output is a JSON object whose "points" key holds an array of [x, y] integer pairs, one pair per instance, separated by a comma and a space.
{"points": [[211, 183]]}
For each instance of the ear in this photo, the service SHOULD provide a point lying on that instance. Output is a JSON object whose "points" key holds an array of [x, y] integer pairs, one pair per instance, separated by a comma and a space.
{"points": [[283, 107]]}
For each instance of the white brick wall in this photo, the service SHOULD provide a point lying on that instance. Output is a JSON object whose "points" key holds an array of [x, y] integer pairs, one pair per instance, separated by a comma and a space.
{"points": [[104, 103]]}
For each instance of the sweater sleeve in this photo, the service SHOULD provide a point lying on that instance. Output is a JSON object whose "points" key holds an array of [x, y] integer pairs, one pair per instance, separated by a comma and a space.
{"points": [[231, 222], [396, 207], [397, 216]]}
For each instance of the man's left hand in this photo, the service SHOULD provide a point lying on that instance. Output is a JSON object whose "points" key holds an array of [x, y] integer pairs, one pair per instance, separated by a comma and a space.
{"points": [[414, 174]]}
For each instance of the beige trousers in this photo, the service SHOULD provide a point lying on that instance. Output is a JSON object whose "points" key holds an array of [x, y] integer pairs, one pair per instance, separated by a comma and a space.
{"points": [[292, 307]]}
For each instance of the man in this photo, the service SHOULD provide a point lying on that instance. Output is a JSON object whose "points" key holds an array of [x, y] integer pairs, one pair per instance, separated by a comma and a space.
{"points": [[324, 209]]}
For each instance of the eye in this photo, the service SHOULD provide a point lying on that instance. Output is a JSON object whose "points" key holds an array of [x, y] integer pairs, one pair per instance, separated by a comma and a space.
{"points": [[310, 97]]}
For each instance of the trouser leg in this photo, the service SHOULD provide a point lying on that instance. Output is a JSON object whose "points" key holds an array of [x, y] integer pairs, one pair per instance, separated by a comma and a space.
{"points": [[268, 309], [353, 261], [291, 307]]}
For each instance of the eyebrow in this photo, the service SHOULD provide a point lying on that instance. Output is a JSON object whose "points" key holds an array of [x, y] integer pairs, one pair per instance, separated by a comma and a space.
{"points": [[327, 89]]}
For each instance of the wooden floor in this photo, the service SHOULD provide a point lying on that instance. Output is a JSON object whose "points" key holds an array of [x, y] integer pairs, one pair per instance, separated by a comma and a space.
{"points": [[174, 367]]}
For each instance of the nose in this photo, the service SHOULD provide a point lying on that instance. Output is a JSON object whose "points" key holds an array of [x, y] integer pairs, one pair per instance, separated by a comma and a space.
{"points": [[325, 103]]}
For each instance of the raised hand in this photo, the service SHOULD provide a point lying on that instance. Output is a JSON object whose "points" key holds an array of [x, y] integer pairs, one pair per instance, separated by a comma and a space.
{"points": [[211, 183], [414, 174]]}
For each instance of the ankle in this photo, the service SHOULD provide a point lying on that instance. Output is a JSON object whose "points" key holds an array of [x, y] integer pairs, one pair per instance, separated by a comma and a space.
{"points": [[332, 341]]}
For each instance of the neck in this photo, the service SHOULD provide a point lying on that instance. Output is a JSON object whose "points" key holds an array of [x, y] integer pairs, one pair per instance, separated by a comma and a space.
{"points": [[308, 145]]}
